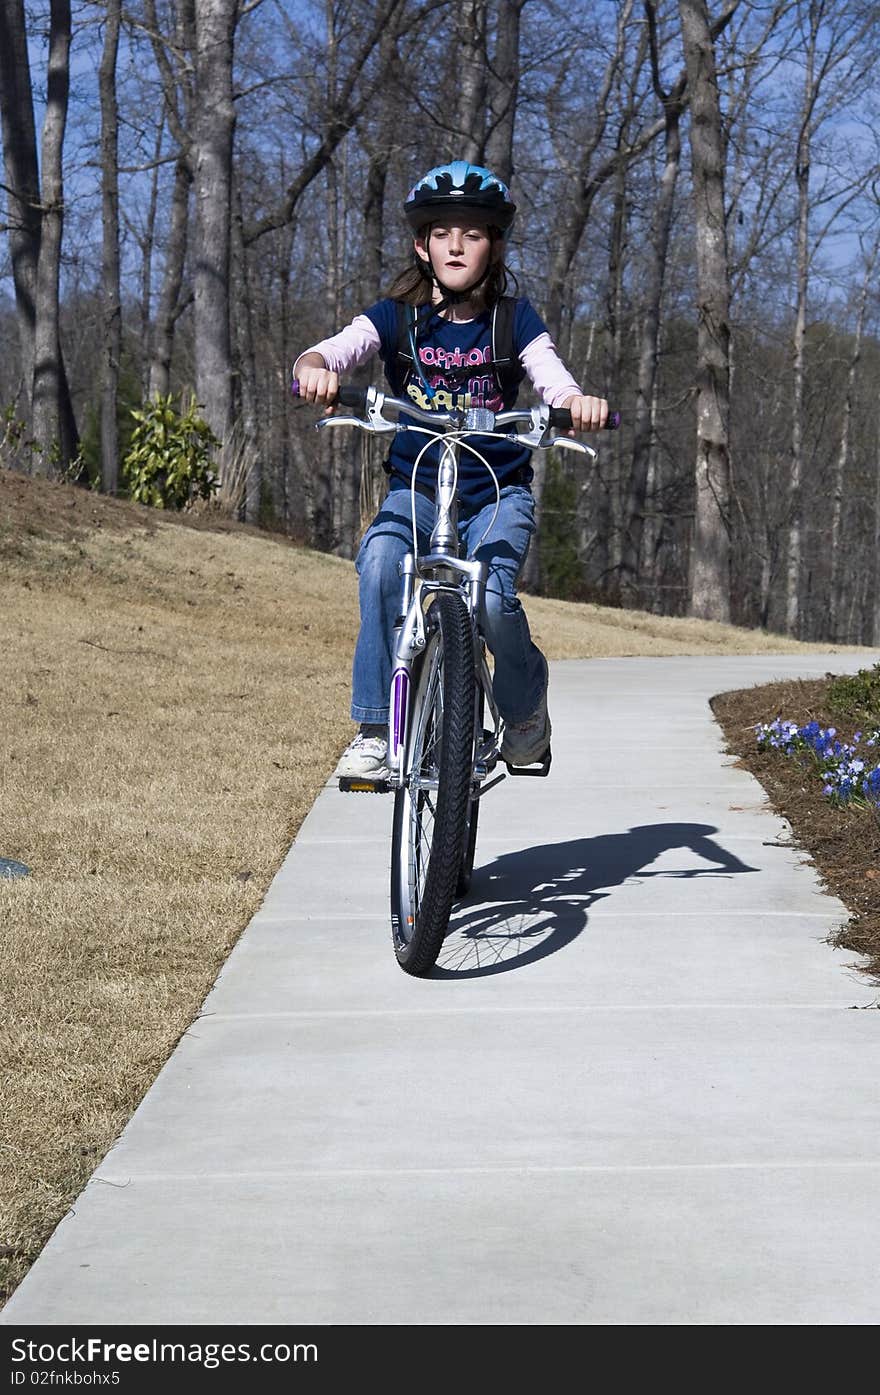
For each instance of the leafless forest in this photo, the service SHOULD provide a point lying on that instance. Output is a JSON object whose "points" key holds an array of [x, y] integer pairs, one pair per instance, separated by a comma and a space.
{"points": [[195, 190]]}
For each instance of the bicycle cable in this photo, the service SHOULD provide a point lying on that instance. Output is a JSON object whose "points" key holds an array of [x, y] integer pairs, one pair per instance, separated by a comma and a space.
{"points": [[483, 461]]}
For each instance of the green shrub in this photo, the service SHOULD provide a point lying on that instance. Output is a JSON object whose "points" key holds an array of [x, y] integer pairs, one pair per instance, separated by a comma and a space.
{"points": [[170, 459], [857, 696]]}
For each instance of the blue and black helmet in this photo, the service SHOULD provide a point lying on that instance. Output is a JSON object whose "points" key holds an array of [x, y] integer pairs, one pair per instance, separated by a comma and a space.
{"points": [[460, 185]]}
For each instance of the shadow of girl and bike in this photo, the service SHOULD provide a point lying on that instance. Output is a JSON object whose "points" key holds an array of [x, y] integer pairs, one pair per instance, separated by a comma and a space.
{"points": [[536, 901]]}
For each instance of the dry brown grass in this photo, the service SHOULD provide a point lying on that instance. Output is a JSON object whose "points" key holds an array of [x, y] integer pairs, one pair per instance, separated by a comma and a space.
{"points": [[174, 694], [568, 630]]}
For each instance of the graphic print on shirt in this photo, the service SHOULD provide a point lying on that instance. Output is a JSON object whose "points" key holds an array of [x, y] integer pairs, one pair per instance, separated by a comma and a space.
{"points": [[455, 376]]}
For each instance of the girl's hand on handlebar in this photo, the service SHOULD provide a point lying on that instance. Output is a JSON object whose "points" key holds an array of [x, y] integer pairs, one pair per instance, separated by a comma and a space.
{"points": [[587, 413], [318, 385]]}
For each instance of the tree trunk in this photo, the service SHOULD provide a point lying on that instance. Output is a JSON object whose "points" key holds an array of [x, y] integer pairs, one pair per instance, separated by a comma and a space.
{"points": [[875, 635], [802, 273], [50, 427], [346, 459], [22, 177], [110, 292], [169, 308], [380, 138], [649, 342], [710, 559], [177, 63], [286, 505], [248, 453], [652, 522], [793, 559], [146, 244], [214, 126], [470, 119], [504, 89], [609, 538], [834, 584], [374, 209]]}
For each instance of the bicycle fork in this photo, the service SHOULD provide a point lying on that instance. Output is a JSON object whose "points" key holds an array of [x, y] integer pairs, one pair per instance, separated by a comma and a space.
{"points": [[411, 636]]}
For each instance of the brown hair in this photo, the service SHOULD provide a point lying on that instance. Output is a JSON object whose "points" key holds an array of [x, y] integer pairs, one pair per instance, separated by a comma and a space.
{"points": [[415, 287]]}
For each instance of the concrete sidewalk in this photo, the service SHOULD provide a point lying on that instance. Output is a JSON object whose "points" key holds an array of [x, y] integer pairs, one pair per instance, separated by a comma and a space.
{"points": [[633, 1092]]}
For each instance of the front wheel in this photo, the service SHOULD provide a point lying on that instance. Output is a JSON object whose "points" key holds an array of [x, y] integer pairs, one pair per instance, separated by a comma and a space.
{"points": [[431, 809]]}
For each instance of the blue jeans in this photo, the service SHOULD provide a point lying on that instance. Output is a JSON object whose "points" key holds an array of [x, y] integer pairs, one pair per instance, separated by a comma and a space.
{"points": [[520, 668]]}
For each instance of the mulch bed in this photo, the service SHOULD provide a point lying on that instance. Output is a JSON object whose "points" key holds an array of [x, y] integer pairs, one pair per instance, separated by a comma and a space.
{"points": [[844, 843]]}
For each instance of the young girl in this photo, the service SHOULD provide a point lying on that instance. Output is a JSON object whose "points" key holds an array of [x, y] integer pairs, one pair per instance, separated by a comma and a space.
{"points": [[460, 215]]}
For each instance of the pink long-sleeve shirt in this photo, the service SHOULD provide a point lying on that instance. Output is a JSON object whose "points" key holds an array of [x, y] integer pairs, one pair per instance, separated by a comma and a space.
{"points": [[360, 340]]}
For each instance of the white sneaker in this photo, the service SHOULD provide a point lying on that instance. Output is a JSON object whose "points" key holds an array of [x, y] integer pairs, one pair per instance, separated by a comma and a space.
{"points": [[525, 743], [365, 759]]}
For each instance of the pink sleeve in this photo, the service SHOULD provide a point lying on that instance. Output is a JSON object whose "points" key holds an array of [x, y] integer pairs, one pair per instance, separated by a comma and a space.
{"points": [[549, 375], [349, 348]]}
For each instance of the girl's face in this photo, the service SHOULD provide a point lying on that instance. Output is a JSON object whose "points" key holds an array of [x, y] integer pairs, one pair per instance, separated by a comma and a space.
{"points": [[459, 253]]}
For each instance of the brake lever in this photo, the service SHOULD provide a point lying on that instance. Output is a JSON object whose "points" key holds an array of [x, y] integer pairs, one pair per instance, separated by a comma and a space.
{"points": [[541, 435], [569, 443], [545, 440], [356, 421]]}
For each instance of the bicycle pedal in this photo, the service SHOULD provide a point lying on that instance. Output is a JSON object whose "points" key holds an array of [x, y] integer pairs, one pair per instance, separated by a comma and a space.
{"points": [[349, 784], [536, 770]]}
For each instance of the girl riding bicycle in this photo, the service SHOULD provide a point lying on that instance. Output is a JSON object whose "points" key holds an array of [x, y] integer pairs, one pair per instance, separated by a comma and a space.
{"points": [[450, 337]]}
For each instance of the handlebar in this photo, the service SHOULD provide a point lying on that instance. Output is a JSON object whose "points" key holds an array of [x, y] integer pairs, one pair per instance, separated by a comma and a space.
{"points": [[360, 399]]}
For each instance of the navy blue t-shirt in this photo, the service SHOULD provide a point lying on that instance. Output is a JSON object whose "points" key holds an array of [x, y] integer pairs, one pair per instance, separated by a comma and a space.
{"points": [[447, 349]]}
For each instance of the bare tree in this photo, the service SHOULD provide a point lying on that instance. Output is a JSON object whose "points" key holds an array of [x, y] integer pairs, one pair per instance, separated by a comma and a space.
{"points": [[673, 101], [174, 55], [842, 460], [22, 176], [110, 287], [471, 78], [244, 451], [36, 207], [802, 176], [213, 126], [380, 139], [50, 425], [171, 303], [875, 627], [710, 566], [503, 81]]}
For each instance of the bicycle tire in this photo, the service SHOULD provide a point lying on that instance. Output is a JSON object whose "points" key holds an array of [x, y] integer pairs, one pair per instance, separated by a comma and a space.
{"points": [[466, 868], [430, 823]]}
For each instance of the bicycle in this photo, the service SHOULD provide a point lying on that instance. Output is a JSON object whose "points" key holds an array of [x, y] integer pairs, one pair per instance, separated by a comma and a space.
{"points": [[441, 753]]}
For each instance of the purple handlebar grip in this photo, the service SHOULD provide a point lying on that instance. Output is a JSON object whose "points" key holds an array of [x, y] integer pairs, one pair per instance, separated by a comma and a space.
{"points": [[294, 387], [613, 421]]}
